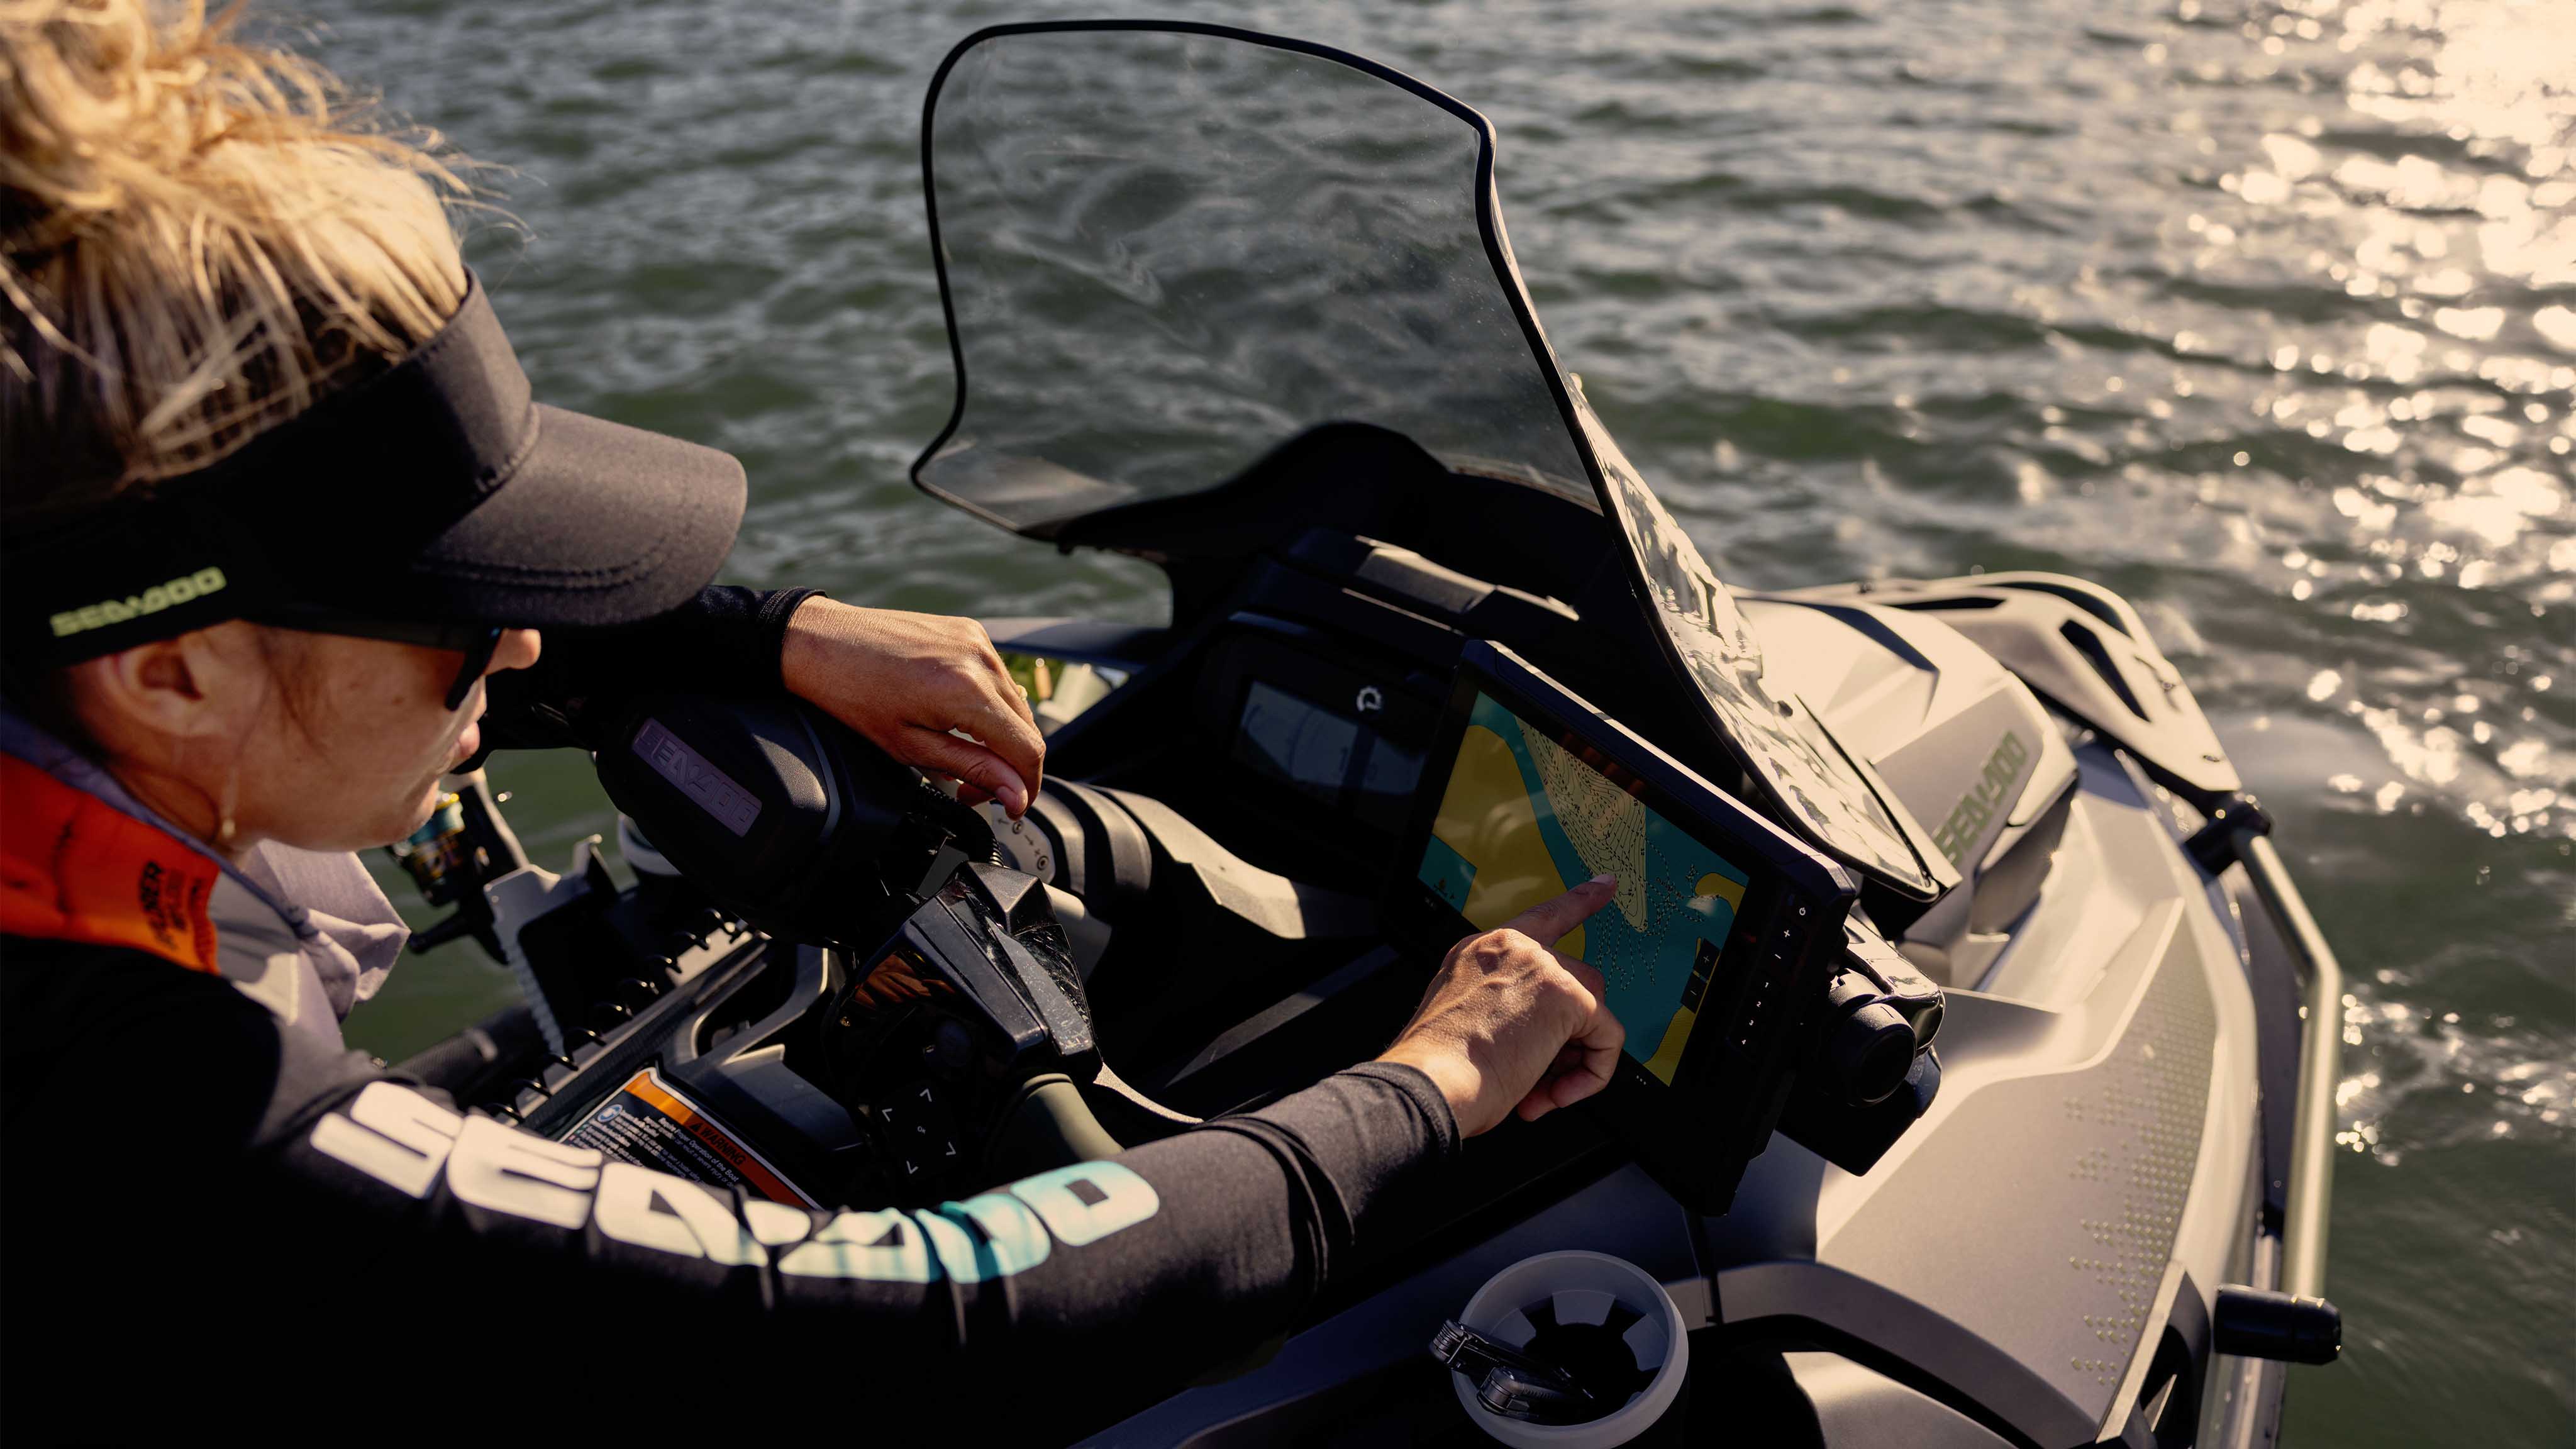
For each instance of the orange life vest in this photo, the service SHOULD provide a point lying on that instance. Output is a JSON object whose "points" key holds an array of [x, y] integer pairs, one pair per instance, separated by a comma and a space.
{"points": [[74, 868]]}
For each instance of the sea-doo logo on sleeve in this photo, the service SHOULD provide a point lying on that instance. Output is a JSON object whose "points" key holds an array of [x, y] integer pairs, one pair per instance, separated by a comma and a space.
{"points": [[406, 1141], [186, 589]]}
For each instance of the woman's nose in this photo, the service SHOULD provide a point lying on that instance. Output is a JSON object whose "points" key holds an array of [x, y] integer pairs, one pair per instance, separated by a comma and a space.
{"points": [[518, 649]]}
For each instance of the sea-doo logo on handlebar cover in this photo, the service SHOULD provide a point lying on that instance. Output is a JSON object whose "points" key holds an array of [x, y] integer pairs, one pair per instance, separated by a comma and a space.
{"points": [[715, 791]]}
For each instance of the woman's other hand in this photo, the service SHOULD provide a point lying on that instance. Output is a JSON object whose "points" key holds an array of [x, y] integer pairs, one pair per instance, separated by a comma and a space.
{"points": [[1510, 1024], [906, 681]]}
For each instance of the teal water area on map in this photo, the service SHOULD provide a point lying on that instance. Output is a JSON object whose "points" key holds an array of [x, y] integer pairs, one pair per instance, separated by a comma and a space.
{"points": [[2261, 312]]}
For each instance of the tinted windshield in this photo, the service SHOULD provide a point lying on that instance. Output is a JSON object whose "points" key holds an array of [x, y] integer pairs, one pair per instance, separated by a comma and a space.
{"points": [[1166, 252]]}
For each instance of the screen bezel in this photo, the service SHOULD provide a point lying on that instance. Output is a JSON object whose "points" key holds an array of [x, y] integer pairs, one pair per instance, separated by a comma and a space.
{"points": [[1697, 1133]]}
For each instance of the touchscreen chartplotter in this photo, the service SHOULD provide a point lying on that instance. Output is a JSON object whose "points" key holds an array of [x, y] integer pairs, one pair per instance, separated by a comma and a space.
{"points": [[1722, 931], [1528, 814]]}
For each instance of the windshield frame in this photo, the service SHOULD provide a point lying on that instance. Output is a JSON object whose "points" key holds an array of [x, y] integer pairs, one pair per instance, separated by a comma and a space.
{"points": [[1934, 874]]}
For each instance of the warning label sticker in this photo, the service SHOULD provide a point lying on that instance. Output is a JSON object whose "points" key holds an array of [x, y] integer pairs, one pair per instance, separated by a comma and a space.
{"points": [[648, 1123]]}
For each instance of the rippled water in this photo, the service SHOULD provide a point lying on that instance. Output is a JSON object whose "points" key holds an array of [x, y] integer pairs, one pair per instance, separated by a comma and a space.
{"points": [[2264, 314]]}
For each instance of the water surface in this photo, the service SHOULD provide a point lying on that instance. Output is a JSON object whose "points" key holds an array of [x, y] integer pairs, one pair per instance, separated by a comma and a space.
{"points": [[2263, 314]]}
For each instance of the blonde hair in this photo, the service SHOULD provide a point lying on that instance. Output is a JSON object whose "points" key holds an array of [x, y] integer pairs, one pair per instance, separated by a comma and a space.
{"points": [[199, 237]]}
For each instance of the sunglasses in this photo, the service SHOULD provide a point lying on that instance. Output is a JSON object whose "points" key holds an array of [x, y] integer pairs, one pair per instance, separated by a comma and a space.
{"points": [[478, 642]]}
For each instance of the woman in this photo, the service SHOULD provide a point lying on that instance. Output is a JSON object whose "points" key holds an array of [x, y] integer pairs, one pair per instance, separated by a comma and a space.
{"points": [[280, 516]]}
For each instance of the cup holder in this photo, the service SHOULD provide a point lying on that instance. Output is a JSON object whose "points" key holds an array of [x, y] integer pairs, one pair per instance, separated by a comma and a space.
{"points": [[1602, 1320]]}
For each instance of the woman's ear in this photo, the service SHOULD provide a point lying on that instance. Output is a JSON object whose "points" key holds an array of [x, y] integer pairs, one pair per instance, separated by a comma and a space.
{"points": [[204, 683]]}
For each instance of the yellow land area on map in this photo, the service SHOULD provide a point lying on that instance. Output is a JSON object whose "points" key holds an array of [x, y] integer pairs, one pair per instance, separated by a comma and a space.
{"points": [[1486, 816]]}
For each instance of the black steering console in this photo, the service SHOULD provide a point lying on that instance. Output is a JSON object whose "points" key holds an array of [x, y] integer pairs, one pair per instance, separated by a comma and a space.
{"points": [[913, 1026]]}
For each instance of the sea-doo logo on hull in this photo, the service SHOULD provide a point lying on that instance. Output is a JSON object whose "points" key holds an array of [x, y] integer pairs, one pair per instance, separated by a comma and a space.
{"points": [[185, 589], [1991, 792], [715, 791]]}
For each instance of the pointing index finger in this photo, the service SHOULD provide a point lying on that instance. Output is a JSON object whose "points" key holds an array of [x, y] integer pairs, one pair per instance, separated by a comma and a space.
{"points": [[1548, 921]]}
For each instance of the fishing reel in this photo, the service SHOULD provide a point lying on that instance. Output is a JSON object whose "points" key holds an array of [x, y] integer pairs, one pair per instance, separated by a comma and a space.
{"points": [[463, 846]]}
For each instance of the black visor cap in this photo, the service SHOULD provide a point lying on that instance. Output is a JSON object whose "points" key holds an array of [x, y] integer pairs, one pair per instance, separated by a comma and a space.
{"points": [[603, 524], [436, 491]]}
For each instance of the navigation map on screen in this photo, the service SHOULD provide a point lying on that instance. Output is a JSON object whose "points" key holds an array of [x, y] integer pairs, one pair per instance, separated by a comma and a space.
{"points": [[1524, 819]]}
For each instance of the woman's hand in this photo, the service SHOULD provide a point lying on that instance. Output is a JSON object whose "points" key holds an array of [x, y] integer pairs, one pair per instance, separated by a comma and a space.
{"points": [[906, 681], [1511, 1024]]}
